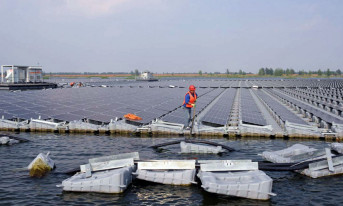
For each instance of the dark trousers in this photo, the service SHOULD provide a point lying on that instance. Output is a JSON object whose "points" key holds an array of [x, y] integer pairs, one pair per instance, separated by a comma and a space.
{"points": [[188, 115]]}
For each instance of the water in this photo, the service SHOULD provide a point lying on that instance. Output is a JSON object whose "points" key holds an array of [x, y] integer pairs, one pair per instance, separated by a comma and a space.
{"points": [[69, 151]]}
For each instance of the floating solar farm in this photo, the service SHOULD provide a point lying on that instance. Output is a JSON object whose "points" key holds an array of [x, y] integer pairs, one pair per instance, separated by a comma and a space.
{"points": [[246, 107]]}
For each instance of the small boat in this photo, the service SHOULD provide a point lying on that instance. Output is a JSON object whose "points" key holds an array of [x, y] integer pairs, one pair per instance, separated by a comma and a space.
{"points": [[174, 172], [146, 76], [227, 178], [202, 149], [109, 181]]}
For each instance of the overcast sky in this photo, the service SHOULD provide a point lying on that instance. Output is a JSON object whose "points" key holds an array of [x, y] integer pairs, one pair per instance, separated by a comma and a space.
{"points": [[173, 35]]}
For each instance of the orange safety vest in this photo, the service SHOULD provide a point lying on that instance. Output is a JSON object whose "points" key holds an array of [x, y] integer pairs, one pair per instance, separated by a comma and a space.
{"points": [[191, 100]]}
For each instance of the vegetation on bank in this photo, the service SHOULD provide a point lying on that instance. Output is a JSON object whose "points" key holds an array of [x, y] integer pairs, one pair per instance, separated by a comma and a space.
{"points": [[263, 72]]}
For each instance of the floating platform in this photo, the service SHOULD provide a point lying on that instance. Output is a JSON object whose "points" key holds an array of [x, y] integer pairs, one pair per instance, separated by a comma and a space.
{"points": [[253, 108], [27, 86]]}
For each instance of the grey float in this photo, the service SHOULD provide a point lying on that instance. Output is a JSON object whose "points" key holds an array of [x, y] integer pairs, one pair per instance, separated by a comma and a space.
{"points": [[108, 174], [200, 149], [240, 178], [174, 172]]}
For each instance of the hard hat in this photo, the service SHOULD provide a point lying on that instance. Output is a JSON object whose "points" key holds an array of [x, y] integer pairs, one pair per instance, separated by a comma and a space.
{"points": [[192, 88]]}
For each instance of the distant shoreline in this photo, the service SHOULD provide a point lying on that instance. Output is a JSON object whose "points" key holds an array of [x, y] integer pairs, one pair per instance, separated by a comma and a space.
{"points": [[178, 75]]}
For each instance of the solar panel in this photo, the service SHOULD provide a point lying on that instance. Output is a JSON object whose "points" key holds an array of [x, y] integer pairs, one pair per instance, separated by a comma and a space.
{"points": [[280, 110], [250, 113], [67, 117], [218, 115]]}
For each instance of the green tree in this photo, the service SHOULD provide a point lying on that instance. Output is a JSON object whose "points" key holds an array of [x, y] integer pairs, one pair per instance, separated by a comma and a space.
{"points": [[288, 71], [227, 72], [240, 72], [136, 72], [269, 71], [320, 73], [278, 72], [338, 72], [328, 72], [261, 72], [200, 72]]}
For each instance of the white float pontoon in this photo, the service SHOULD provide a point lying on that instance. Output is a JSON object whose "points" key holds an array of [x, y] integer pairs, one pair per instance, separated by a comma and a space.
{"points": [[109, 181], [174, 172], [7, 141], [330, 166], [338, 147], [202, 149], [295, 153], [227, 178], [109, 174]]}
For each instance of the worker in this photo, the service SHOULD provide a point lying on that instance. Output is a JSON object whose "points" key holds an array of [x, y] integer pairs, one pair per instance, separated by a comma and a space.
{"points": [[72, 84], [189, 103]]}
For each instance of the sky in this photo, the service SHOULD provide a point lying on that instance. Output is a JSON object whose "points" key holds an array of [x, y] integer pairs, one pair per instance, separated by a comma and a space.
{"points": [[172, 35]]}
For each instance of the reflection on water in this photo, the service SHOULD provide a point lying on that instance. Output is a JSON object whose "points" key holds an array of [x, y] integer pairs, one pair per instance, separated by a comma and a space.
{"points": [[69, 151]]}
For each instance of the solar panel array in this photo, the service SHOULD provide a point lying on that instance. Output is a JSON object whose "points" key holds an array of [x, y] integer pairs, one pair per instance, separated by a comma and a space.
{"points": [[98, 104], [250, 112], [151, 100], [210, 83], [280, 110], [322, 115], [332, 103], [219, 114]]}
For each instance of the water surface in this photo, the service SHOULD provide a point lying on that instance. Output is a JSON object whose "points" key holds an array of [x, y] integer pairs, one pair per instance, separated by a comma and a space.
{"points": [[69, 151]]}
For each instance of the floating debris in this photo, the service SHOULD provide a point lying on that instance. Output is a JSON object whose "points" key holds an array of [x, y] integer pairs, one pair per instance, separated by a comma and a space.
{"points": [[41, 165]]}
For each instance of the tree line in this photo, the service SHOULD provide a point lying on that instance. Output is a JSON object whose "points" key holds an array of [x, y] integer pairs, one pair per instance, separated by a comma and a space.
{"points": [[281, 72]]}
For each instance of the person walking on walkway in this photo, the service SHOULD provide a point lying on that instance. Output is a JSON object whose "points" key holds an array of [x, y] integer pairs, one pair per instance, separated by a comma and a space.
{"points": [[188, 103]]}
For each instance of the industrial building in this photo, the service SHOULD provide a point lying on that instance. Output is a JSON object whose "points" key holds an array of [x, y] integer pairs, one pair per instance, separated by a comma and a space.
{"points": [[21, 74], [15, 77]]}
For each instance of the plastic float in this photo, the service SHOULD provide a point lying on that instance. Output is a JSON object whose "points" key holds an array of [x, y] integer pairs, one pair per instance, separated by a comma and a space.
{"points": [[203, 149], [108, 174], [109, 181], [41, 165], [174, 172], [197, 146], [240, 178], [311, 162], [338, 147], [7, 141], [329, 166], [295, 153]]}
